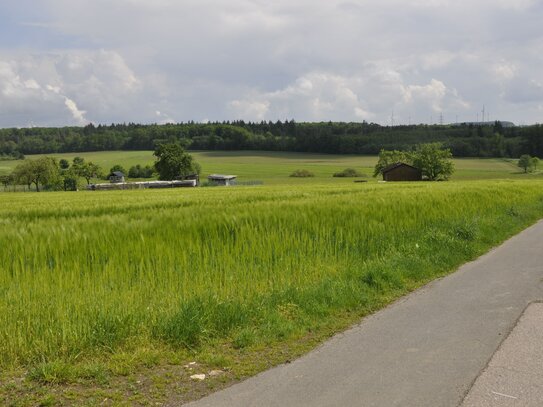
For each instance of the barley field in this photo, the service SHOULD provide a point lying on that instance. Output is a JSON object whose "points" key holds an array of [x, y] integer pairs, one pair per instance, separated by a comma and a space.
{"points": [[85, 272]]}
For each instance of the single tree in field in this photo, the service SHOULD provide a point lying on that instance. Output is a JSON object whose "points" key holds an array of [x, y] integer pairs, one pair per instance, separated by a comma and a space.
{"points": [[172, 161], [134, 171], [39, 172], [87, 170], [6, 180], [434, 161], [535, 163], [525, 162], [22, 174], [70, 179]]}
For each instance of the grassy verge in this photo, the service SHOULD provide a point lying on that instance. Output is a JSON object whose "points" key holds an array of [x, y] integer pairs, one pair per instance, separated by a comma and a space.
{"points": [[109, 297]]}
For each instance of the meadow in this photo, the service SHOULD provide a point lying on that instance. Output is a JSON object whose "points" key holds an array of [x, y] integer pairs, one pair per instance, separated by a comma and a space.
{"points": [[274, 168], [88, 280]]}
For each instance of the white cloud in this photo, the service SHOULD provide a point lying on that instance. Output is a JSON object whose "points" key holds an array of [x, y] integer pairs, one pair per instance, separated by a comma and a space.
{"points": [[371, 94], [505, 71], [437, 60], [77, 114], [48, 89], [517, 4], [250, 109], [311, 97], [307, 60], [433, 93], [163, 118]]}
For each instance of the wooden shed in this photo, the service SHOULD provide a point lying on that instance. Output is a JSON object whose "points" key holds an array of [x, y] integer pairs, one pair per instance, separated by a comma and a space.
{"points": [[401, 172], [116, 177], [224, 180]]}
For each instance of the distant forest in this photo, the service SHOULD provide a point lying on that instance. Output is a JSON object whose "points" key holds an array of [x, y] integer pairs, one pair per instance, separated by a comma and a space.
{"points": [[465, 140]]}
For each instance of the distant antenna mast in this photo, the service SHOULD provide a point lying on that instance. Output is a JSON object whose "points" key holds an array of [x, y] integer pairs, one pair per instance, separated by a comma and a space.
{"points": [[441, 118], [392, 118], [483, 113]]}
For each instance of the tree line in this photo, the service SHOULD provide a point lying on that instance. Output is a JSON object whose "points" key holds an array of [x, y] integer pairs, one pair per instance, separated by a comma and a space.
{"points": [[171, 162], [464, 140]]}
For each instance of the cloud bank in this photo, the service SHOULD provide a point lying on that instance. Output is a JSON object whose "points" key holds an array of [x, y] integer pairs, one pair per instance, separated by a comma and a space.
{"points": [[70, 62]]}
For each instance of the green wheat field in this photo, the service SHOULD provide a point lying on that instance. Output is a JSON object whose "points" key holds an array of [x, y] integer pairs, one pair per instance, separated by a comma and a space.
{"points": [[91, 280]]}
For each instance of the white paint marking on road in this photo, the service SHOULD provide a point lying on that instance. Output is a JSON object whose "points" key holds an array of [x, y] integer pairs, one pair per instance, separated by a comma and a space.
{"points": [[504, 395]]}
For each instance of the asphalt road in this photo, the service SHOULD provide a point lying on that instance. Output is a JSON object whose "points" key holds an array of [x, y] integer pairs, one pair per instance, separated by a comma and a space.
{"points": [[425, 350], [514, 376]]}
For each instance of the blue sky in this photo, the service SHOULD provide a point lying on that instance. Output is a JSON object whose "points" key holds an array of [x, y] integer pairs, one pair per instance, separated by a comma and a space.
{"points": [[66, 62]]}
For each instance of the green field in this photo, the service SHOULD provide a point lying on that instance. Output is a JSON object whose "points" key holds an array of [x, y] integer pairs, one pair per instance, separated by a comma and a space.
{"points": [[103, 290], [275, 167]]}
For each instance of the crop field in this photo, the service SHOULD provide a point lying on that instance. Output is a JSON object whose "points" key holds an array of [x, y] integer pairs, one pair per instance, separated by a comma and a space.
{"points": [[108, 295], [275, 167]]}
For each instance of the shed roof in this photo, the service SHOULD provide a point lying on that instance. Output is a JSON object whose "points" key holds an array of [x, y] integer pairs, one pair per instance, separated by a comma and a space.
{"points": [[116, 174], [221, 177], [396, 165]]}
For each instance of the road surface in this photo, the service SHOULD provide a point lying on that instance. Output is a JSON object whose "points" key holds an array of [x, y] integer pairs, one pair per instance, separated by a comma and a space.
{"points": [[427, 349]]}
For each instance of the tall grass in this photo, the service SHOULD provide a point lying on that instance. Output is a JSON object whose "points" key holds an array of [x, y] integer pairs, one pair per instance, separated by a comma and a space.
{"points": [[86, 273]]}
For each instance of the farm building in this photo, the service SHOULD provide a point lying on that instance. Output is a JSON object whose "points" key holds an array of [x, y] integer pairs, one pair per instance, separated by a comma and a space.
{"points": [[116, 177], [401, 172], [192, 177], [224, 180], [142, 185]]}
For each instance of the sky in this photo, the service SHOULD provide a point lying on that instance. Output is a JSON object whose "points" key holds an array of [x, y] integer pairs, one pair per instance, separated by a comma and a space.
{"points": [[73, 62]]}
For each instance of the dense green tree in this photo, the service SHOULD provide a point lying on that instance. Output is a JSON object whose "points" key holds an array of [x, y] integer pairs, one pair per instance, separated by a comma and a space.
{"points": [[434, 161], [528, 163], [117, 167], [525, 162], [535, 163], [64, 164], [40, 172], [172, 162], [7, 180], [70, 178], [137, 171], [87, 170], [22, 174]]}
